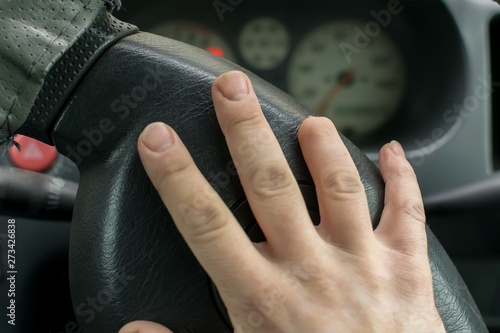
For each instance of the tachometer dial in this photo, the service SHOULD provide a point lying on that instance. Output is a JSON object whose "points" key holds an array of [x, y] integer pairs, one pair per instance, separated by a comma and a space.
{"points": [[264, 43], [355, 78], [197, 35]]}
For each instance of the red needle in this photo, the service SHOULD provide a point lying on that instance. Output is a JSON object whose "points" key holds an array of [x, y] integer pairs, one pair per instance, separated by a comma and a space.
{"points": [[341, 84]]}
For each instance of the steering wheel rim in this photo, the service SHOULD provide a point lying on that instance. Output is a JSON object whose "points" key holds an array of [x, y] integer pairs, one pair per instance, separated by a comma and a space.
{"points": [[125, 252]]}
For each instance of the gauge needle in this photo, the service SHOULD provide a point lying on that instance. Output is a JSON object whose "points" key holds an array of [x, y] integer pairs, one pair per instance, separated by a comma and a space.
{"points": [[344, 80]]}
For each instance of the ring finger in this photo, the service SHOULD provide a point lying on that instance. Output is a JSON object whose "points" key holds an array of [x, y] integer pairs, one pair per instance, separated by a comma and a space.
{"points": [[343, 205]]}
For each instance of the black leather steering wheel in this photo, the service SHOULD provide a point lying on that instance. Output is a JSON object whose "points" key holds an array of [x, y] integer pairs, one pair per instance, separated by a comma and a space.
{"points": [[127, 260]]}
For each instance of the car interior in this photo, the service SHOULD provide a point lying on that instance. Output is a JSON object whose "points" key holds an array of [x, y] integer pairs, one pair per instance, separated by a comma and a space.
{"points": [[425, 73]]}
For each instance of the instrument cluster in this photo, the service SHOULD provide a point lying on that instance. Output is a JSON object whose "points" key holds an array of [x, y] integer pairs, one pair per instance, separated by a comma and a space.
{"points": [[359, 63]]}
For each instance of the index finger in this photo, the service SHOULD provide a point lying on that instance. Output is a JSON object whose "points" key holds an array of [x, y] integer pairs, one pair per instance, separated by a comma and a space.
{"points": [[201, 216]]}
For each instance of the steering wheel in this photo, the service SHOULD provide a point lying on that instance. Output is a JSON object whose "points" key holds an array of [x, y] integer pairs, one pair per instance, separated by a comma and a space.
{"points": [[127, 259]]}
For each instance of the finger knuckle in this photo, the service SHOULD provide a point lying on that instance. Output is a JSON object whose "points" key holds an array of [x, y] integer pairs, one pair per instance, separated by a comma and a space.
{"points": [[272, 179], [204, 217], [404, 170], [341, 185], [414, 209], [248, 148], [309, 271], [260, 290]]}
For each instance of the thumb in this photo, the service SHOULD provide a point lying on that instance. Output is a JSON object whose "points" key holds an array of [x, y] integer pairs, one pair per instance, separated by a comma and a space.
{"points": [[142, 326]]}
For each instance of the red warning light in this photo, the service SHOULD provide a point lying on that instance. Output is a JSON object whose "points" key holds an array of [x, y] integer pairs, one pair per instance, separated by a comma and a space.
{"points": [[215, 50]]}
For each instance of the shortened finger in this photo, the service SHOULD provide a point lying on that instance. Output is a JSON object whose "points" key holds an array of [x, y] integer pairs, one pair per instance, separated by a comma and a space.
{"points": [[211, 231], [345, 218], [269, 184], [402, 225]]}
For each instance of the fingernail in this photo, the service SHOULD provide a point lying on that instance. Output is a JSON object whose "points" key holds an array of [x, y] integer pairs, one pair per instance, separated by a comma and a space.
{"points": [[233, 86], [157, 137], [396, 148]]}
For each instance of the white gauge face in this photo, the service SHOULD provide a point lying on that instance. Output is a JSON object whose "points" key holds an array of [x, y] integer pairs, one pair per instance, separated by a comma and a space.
{"points": [[197, 35], [264, 43], [356, 82]]}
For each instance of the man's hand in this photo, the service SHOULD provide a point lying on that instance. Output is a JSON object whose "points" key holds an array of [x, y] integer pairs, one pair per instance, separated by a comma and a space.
{"points": [[338, 277]]}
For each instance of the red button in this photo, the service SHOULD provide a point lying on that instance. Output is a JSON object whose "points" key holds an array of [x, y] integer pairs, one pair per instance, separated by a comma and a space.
{"points": [[34, 155]]}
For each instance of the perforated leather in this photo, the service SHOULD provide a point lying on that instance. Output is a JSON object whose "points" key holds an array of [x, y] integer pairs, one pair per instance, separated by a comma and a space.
{"points": [[67, 72], [34, 34]]}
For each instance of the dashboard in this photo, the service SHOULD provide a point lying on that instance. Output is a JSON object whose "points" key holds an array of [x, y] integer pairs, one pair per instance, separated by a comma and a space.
{"points": [[381, 70], [371, 66]]}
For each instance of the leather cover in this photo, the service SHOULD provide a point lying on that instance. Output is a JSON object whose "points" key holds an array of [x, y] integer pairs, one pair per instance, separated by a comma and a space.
{"points": [[127, 260], [69, 70], [34, 35]]}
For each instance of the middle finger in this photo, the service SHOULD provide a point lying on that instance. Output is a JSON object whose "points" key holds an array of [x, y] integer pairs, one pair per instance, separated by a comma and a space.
{"points": [[269, 184]]}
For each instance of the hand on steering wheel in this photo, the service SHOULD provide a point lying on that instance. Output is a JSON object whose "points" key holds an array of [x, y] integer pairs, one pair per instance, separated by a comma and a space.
{"points": [[338, 277]]}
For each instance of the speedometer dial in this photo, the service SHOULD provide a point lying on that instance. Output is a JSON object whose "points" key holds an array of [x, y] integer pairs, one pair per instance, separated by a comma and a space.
{"points": [[354, 77]]}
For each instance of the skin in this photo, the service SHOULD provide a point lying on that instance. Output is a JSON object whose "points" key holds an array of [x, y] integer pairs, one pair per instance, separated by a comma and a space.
{"points": [[338, 277]]}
